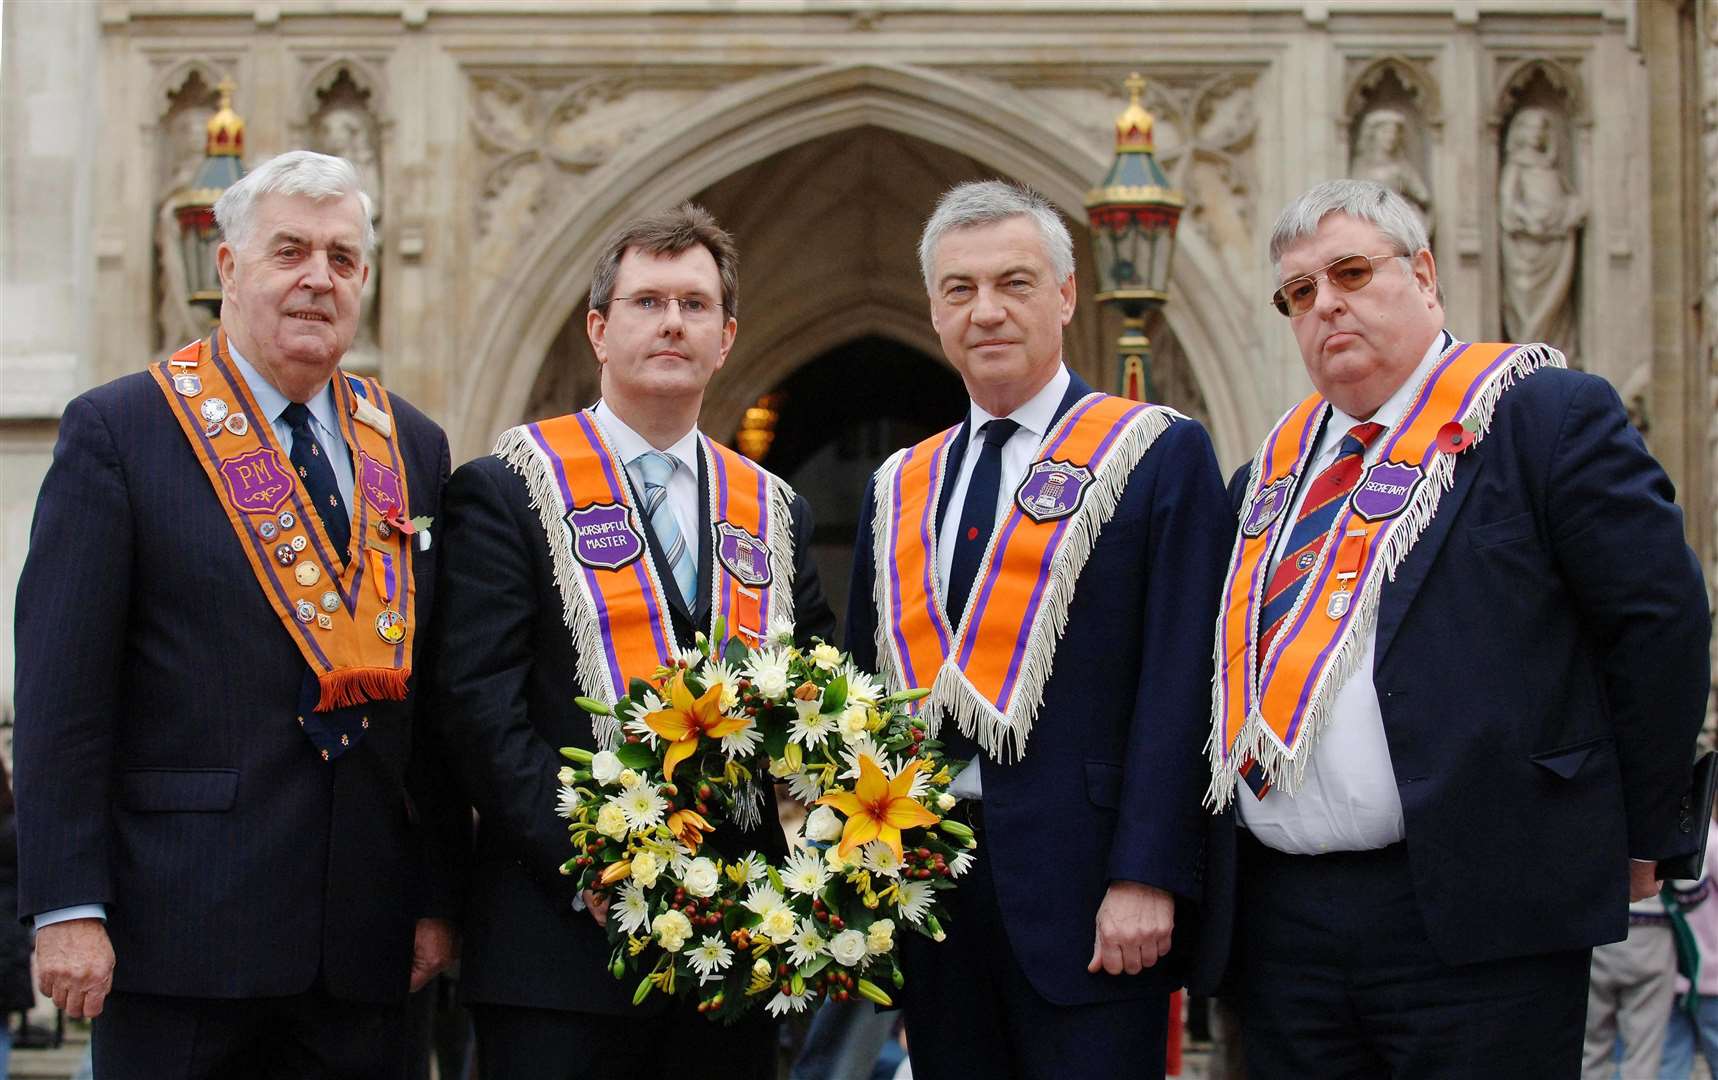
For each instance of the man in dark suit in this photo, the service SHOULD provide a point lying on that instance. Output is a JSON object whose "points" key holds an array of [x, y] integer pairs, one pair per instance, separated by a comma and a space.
{"points": [[1461, 665], [203, 591], [531, 618], [1051, 503]]}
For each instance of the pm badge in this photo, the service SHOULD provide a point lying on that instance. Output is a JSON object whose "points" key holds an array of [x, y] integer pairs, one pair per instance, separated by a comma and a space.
{"points": [[256, 482], [1052, 490]]}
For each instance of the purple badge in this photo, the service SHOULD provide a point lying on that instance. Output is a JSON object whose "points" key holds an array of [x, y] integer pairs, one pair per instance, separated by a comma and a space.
{"points": [[381, 485], [604, 537], [257, 482], [1268, 505], [1052, 490], [1386, 490], [743, 554]]}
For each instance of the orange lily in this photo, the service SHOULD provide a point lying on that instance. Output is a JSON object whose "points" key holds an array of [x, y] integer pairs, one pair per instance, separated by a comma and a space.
{"points": [[689, 826], [614, 872], [685, 720], [878, 808]]}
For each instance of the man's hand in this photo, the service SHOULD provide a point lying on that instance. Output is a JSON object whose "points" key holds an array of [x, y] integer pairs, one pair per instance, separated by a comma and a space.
{"points": [[74, 965], [434, 946], [597, 904], [1135, 923], [1643, 879]]}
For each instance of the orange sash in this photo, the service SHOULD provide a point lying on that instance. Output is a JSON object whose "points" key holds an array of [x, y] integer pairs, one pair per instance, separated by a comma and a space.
{"points": [[989, 672], [1271, 708], [354, 626], [612, 598]]}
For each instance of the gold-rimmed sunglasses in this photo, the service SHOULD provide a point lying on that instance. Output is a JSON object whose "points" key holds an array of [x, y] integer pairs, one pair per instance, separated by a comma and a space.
{"points": [[1349, 273]]}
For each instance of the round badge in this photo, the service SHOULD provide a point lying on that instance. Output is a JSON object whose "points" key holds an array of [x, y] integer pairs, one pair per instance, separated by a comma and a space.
{"points": [[307, 573], [287, 519], [267, 529], [238, 423], [305, 610], [188, 385], [299, 543], [391, 626], [331, 601], [1305, 561], [284, 555], [384, 530], [214, 409], [211, 429]]}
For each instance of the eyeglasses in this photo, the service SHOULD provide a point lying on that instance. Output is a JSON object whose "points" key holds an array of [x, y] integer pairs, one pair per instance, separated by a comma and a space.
{"points": [[1349, 273], [692, 308]]}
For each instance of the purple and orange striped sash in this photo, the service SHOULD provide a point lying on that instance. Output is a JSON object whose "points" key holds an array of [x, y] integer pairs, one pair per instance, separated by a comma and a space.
{"points": [[989, 672], [1268, 705]]}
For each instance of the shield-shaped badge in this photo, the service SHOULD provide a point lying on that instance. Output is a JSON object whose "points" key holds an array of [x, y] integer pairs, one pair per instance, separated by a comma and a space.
{"points": [[743, 554], [1052, 490], [257, 482], [1385, 491], [604, 536], [1268, 505], [381, 485]]}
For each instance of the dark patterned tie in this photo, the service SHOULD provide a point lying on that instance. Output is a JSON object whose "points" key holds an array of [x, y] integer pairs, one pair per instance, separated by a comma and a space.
{"points": [[317, 476]]}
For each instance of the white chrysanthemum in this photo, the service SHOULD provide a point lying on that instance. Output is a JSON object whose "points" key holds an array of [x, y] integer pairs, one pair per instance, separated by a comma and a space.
{"points": [[860, 686], [915, 901], [742, 742], [671, 930], [781, 631], [700, 877], [961, 864], [605, 767], [863, 746], [810, 727], [763, 898], [768, 672], [710, 957], [805, 873], [631, 908], [690, 657], [807, 944], [848, 947], [786, 1003], [823, 825], [880, 858], [826, 656], [646, 867], [921, 780], [642, 806], [807, 787], [729, 677], [648, 704], [567, 802], [751, 868], [880, 937], [611, 821], [637, 726], [778, 926]]}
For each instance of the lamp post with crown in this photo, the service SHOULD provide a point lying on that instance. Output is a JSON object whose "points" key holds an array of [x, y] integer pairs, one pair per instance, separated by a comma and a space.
{"points": [[199, 235], [1133, 214]]}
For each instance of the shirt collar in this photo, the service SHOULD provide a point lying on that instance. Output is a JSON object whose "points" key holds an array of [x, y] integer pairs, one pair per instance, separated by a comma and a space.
{"points": [[1039, 411], [1396, 405], [272, 402], [628, 444]]}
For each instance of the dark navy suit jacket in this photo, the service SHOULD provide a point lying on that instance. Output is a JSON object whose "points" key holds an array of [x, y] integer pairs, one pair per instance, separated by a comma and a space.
{"points": [[1109, 787], [1542, 669], [505, 688], [161, 769]]}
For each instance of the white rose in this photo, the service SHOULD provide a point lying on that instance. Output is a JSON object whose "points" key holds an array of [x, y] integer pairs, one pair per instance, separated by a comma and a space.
{"points": [[778, 926], [848, 947], [771, 682], [565, 776], [826, 656], [832, 858], [628, 778], [945, 802], [611, 822], [671, 929], [645, 867], [605, 767], [854, 720], [823, 825], [700, 878], [880, 936]]}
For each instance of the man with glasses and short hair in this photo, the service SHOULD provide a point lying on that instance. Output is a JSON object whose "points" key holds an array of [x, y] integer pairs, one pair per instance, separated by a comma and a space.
{"points": [[620, 510], [1461, 662]]}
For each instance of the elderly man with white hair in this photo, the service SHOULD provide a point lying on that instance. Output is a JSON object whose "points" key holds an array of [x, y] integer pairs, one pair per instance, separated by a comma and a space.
{"points": [[228, 826]]}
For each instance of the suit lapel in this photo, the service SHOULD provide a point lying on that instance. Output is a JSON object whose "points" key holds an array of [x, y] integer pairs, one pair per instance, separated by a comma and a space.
{"points": [[1397, 595]]}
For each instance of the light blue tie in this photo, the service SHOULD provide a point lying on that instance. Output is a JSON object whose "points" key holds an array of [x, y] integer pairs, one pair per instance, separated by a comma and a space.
{"points": [[651, 470]]}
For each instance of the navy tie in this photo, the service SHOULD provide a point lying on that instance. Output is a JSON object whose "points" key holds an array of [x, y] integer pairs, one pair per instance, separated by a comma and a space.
{"points": [[317, 476]]}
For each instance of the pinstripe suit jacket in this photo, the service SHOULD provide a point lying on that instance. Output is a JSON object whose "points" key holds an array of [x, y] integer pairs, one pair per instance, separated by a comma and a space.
{"points": [[160, 767]]}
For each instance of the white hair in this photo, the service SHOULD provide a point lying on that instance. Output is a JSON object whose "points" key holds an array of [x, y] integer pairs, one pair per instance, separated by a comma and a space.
{"points": [[296, 172], [1363, 200], [985, 201]]}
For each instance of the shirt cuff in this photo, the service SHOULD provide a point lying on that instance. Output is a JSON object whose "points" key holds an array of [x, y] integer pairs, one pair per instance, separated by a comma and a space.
{"points": [[67, 914]]}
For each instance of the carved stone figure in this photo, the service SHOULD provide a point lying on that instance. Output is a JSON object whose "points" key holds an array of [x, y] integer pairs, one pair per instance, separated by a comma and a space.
{"points": [[184, 137], [348, 131], [1381, 155], [1540, 216]]}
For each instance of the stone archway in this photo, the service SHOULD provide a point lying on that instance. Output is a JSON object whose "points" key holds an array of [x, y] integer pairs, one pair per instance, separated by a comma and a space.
{"points": [[755, 120]]}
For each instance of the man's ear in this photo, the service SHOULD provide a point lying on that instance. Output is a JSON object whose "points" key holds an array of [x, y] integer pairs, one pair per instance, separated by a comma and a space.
{"points": [[1425, 273], [1068, 293], [596, 328]]}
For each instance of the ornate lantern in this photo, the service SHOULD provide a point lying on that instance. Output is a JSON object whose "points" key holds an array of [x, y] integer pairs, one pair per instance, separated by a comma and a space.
{"points": [[199, 236], [1133, 215]]}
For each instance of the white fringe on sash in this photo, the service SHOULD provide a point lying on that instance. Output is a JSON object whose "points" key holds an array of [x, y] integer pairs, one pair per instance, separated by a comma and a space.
{"points": [[888, 660], [1285, 769], [780, 511]]}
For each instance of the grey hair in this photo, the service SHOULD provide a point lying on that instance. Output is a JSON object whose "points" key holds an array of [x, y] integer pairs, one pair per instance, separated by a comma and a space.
{"points": [[985, 201], [296, 172], [1363, 200]]}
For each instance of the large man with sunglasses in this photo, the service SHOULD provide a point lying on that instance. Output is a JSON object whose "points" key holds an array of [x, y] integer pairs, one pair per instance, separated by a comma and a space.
{"points": [[1461, 663]]}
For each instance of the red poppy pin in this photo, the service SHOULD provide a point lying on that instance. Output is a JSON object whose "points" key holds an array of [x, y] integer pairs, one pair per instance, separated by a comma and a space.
{"points": [[1453, 438]]}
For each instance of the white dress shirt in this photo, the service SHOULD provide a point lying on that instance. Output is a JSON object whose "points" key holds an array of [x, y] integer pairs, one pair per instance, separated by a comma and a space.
{"points": [[1348, 799], [682, 483], [1034, 419]]}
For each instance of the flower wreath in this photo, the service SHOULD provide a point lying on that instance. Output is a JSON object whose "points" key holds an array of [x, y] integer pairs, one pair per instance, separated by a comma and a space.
{"points": [[877, 852]]}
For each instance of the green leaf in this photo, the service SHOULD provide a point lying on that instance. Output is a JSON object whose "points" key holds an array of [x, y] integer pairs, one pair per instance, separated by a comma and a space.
{"points": [[638, 688], [736, 652], [422, 522], [775, 742], [835, 696], [636, 755], [811, 969]]}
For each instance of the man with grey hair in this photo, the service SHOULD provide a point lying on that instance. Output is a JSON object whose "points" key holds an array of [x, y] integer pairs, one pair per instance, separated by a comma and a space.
{"points": [[1461, 663], [231, 838], [1041, 567]]}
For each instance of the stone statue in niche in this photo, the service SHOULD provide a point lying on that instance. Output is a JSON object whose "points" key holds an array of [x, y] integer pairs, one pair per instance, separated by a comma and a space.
{"points": [[1381, 155], [1540, 216], [184, 138], [347, 130]]}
